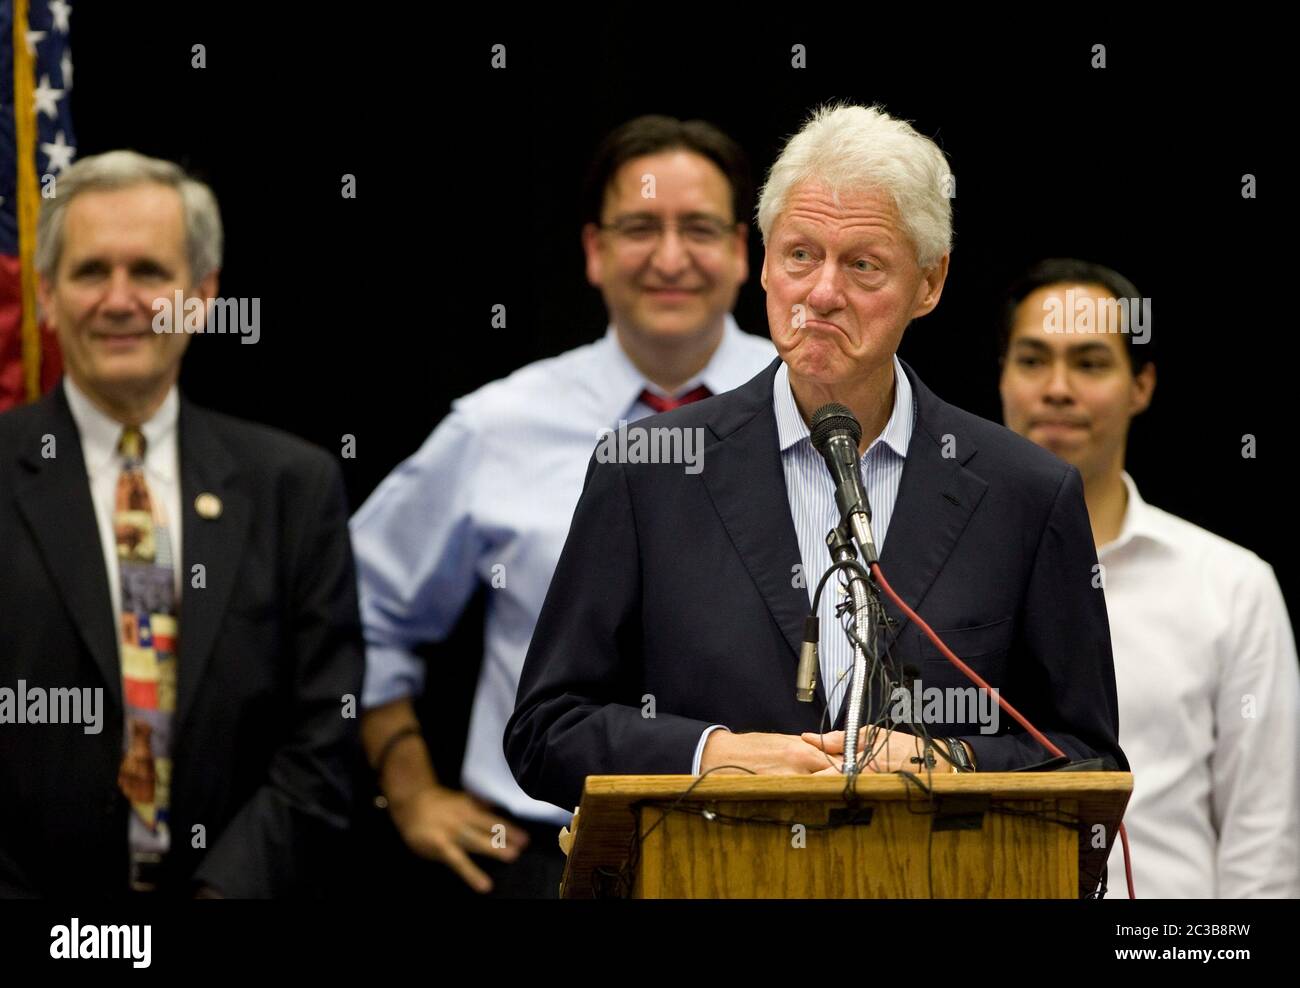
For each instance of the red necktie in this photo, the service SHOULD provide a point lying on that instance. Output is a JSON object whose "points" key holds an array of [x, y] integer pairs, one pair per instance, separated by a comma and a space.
{"points": [[661, 404]]}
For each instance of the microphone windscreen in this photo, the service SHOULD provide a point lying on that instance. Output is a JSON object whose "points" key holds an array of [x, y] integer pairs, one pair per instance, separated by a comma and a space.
{"points": [[830, 418]]}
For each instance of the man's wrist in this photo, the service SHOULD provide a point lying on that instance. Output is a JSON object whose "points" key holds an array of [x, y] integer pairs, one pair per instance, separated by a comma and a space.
{"points": [[403, 769], [390, 743], [697, 764]]}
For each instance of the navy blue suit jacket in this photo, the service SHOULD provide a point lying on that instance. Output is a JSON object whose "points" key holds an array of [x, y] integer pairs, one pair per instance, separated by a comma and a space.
{"points": [[678, 585]]}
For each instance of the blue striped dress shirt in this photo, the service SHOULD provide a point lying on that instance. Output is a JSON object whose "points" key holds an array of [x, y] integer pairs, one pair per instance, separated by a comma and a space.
{"points": [[811, 492]]}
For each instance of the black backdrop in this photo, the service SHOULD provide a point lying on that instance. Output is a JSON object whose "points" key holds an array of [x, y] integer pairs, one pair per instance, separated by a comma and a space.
{"points": [[376, 311]]}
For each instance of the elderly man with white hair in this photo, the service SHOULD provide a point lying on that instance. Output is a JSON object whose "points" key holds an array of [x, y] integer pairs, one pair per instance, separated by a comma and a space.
{"points": [[670, 636]]}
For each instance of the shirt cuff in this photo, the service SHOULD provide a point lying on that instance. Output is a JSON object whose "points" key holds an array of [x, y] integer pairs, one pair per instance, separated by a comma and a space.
{"points": [[699, 748], [391, 674]]}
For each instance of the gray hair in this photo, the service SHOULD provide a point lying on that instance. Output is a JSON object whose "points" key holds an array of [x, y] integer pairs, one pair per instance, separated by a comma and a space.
{"points": [[857, 148], [120, 170]]}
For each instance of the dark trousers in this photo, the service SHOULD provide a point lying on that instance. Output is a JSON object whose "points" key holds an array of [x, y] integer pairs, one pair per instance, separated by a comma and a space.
{"points": [[536, 873], [384, 867]]}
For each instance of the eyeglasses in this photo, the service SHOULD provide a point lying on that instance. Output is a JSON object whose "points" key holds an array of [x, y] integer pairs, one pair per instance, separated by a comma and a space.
{"points": [[642, 231]]}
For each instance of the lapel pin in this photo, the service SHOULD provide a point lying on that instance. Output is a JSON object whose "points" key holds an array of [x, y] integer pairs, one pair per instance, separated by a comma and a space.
{"points": [[208, 505]]}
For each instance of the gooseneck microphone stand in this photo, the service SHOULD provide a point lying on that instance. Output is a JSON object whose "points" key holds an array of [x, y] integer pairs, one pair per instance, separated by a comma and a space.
{"points": [[864, 636]]}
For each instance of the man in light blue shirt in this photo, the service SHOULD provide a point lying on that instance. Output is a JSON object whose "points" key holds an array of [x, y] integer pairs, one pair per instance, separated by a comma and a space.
{"points": [[488, 498]]}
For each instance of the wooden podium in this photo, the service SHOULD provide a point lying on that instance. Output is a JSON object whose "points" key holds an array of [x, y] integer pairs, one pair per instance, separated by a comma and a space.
{"points": [[971, 836]]}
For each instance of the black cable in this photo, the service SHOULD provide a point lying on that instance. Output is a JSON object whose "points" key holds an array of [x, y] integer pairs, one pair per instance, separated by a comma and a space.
{"points": [[624, 875]]}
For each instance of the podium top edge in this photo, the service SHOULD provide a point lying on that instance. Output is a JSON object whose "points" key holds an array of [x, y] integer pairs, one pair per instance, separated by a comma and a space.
{"points": [[1018, 785]]}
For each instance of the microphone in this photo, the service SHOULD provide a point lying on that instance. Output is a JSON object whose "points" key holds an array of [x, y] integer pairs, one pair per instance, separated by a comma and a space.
{"points": [[805, 687], [835, 435]]}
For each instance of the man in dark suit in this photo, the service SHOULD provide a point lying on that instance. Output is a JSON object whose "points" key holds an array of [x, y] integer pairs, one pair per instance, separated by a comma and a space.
{"points": [[669, 639], [190, 570]]}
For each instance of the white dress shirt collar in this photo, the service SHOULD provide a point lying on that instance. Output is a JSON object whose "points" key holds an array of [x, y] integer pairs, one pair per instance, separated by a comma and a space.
{"points": [[1141, 521], [100, 433], [625, 382]]}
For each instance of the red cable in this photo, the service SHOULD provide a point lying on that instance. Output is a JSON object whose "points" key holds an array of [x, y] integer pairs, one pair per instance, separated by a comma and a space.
{"points": [[1128, 862], [975, 678], [967, 671]]}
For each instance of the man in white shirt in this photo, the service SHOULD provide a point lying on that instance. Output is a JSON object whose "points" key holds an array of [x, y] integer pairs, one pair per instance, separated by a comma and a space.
{"points": [[1205, 660]]}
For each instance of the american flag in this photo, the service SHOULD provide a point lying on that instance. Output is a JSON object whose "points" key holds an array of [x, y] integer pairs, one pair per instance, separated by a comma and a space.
{"points": [[36, 144]]}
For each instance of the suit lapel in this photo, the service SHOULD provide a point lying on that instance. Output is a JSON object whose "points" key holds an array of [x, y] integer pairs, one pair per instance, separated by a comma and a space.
{"points": [[53, 494], [936, 497], [214, 542], [743, 475]]}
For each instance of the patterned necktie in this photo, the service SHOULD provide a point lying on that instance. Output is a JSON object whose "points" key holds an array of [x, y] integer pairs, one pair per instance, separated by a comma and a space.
{"points": [[148, 651], [661, 404]]}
